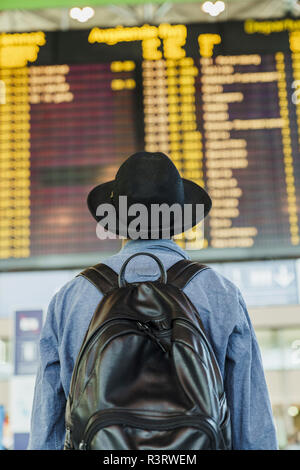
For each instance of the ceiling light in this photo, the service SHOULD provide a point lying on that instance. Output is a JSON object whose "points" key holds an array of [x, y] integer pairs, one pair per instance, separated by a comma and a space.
{"points": [[293, 411], [213, 9], [82, 14]]}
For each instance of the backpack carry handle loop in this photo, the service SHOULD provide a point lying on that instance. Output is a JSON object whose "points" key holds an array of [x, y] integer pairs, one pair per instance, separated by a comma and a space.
{"points": [[163, 274]]}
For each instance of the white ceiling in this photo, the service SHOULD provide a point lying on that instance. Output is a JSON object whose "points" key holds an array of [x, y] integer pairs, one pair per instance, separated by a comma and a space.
{"points": [[113, 15]]}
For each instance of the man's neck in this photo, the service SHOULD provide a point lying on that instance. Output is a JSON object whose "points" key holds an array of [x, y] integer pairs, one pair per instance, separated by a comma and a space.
{"points": [[124, 241]]}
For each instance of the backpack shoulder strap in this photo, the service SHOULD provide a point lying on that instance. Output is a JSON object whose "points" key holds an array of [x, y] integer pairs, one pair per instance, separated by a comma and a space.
{"points": [[102, 276], [182, 272]]}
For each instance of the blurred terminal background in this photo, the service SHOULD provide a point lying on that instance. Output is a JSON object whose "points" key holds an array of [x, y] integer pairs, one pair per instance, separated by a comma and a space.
{"points": [[216, 86]]}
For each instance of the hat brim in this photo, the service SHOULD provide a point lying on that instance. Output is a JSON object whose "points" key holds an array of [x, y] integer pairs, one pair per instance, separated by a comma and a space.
{"points": [[193, 195]]}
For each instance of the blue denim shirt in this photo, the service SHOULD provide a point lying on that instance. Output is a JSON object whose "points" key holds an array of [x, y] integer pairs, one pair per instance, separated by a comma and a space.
{"points": [[227, 324]]}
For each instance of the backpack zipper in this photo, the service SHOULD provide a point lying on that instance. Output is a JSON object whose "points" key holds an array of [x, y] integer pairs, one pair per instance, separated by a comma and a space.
{"points": [[108, 417], [146, 329]]}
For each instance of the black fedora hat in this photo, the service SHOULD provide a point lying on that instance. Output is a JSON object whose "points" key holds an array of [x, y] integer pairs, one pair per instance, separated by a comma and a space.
{"points": [[150, 179]]}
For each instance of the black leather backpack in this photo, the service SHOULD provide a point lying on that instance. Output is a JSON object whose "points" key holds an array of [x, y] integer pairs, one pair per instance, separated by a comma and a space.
{"points": [[146, 376]]}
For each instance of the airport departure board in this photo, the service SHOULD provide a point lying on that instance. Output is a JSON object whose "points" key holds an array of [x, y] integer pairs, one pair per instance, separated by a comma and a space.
{"points": [[222, 100]]}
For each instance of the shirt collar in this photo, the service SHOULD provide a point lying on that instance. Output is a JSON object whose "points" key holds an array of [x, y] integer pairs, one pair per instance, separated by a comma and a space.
{"points": [[133, 246]]}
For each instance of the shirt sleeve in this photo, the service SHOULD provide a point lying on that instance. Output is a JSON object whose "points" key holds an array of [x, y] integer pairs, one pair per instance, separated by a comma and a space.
{"points": [[47, 417], [246, 389]]}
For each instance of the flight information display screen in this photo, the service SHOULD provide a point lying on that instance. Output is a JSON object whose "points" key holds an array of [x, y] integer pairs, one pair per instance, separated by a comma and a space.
{"points": [[222, 100]]}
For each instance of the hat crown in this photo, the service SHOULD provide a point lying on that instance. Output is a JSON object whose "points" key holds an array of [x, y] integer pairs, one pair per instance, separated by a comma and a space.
{"points": [[149, 178]]}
